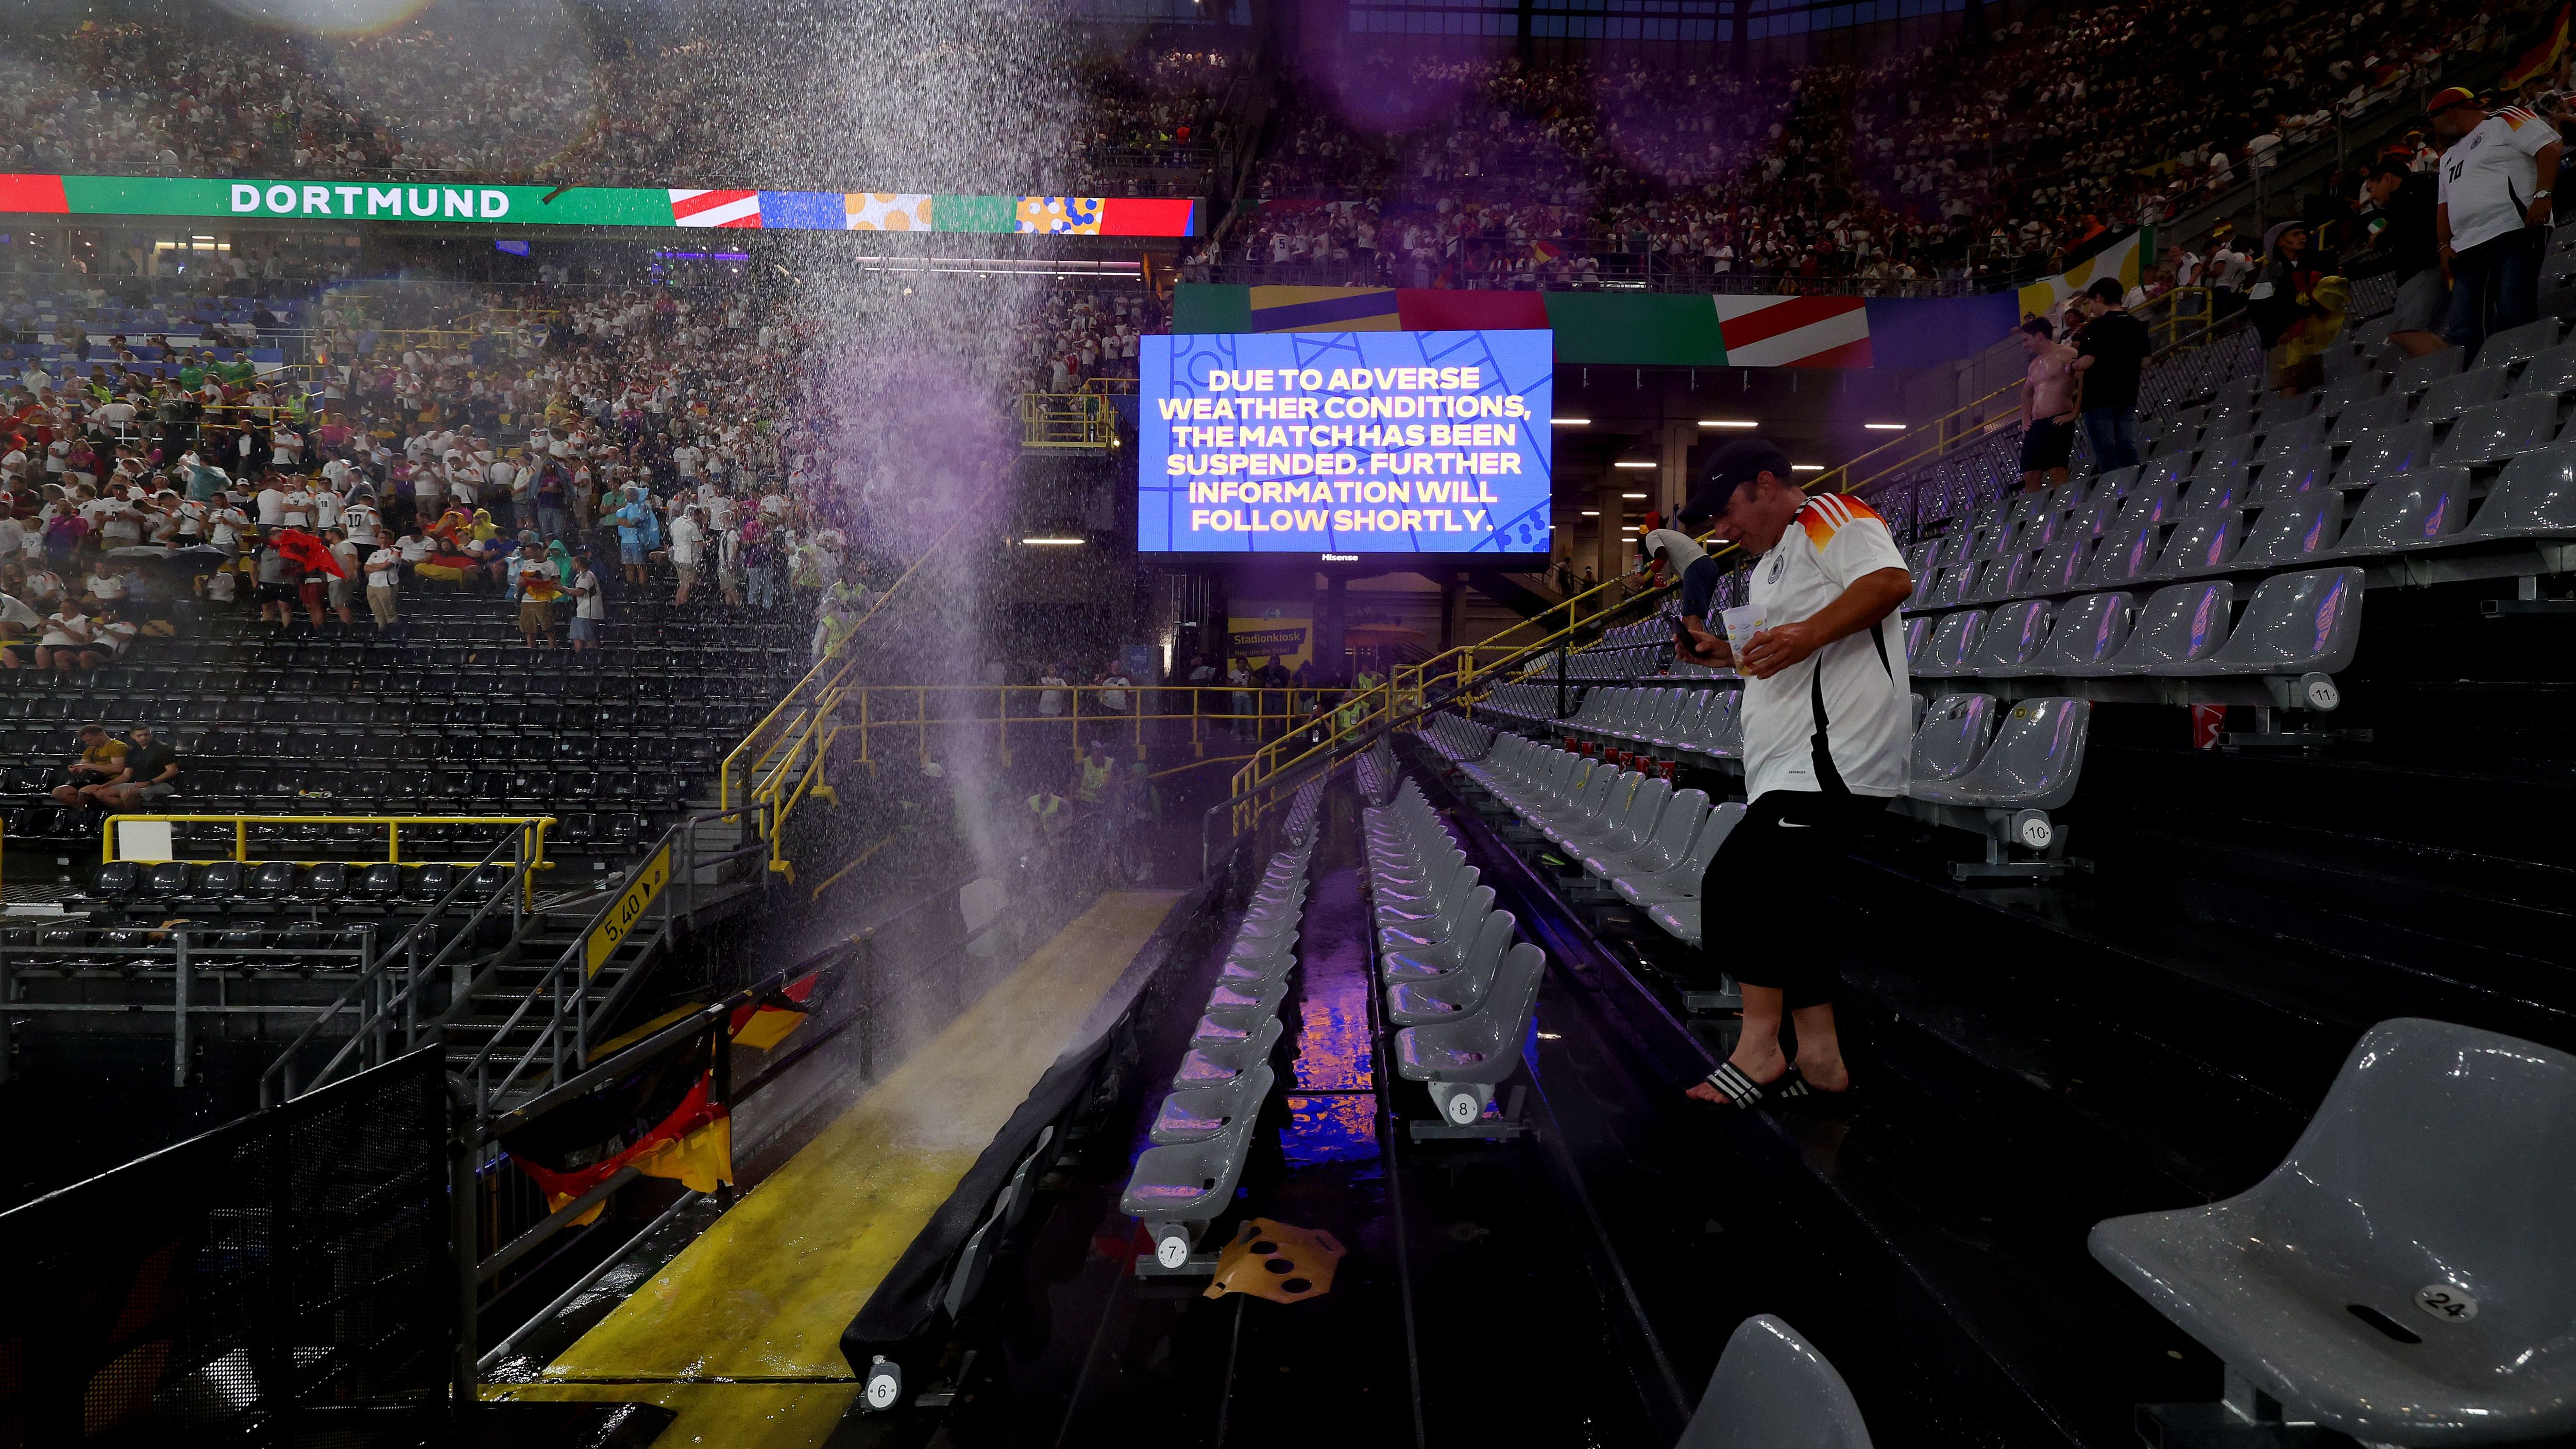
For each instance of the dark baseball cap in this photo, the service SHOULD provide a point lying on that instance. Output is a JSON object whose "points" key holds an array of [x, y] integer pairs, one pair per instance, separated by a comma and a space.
{"points": [[1737, 463]]}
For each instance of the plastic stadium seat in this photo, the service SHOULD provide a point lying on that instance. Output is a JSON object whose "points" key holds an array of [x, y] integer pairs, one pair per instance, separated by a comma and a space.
{"points": [[2287, 438], [214, 887], [2303, 623], [2060, 567], [2416, 374], [2519, 344], [2403, 1277], [1953, 736], [2289, 533], [322, 884], [2034, 763], [1772, 1390], [2552, 372], [2087, 634], [2011, 639], [2499, 431], [2125, 556], [2305, 470], [2534, 498], [1461, 1060], [2444, 401], [2180, 623], [2202, 544], [2423, 509], [110, 885], [2377, 415], [2387, 453]]}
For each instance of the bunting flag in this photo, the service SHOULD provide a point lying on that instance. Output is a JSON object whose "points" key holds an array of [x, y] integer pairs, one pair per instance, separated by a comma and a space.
{"points": [[1795, 331], [2541, 58], [763, 1024]]}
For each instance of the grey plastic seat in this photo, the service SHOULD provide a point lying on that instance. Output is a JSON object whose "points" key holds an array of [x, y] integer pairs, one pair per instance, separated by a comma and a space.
{"points": [[1176, 1191], [2304, 471], [2552, 372], [1218, 1065], [2423, 509], [2378, 415], [2113, 484], [1951, 587], [1670, 845], [1772, 1390], [2519, 344], [1206, 1112], [1460, 1061], [1722, 727], [2163, 474], [1452, 995], [2416, 374], [2444, 401], [2180, 624], [1632, 828], [2012, 639], [1682, 881], [2059, 568], [2498, 431], [2125, 556], [2152, 501], [1953, 640], [2237, 451], [2034, 763], [2407, 1275], [2215, 486], [2534, 498], [1953, 736], [2202, 544], [2296, 624], [2088, 635], [2289, 533], [2385, 454], [2282, 440], [2341, 396], [1243, 1003]]}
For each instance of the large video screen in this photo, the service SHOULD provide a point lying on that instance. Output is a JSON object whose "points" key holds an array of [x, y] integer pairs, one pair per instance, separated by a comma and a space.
{"points": [[1345, 443]]}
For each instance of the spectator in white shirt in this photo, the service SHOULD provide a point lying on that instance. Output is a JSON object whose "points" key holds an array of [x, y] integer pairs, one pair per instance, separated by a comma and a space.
{"points": [[589, 607], [688, 542], [384, 568]]}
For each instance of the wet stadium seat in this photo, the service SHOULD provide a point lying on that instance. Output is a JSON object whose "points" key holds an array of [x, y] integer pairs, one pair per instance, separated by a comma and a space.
{"points": [[2403, 1276], [1772, 1390]]}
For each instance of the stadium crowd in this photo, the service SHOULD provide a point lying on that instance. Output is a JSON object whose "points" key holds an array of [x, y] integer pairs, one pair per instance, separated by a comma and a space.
{"points": [[1981, 160], [525, 96], [578, 448]]}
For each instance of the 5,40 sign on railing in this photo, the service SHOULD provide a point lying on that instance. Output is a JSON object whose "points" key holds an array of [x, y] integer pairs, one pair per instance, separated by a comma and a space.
{"points": [[620, 918]]}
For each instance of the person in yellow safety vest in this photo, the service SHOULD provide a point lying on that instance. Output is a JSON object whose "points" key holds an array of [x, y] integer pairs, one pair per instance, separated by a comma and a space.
{"points": [[1366, 680], [1096, 775], [1047, 809]]}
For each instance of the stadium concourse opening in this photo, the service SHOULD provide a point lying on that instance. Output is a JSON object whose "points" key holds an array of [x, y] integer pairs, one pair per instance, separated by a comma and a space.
{"points": [[835, 723]]}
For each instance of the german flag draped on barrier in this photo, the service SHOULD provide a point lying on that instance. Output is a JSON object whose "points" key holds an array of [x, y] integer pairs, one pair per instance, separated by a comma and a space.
{"points": [[661, 1118]]}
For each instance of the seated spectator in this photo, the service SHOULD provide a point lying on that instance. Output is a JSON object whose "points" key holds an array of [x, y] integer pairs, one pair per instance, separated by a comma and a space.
{"points": [[101, 759], [149, 776]]}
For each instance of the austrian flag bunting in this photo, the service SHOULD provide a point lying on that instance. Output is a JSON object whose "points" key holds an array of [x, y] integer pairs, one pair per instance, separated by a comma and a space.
{"points": [[715, 208]]}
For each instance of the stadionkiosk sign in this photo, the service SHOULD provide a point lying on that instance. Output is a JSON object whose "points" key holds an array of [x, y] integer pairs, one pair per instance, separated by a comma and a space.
{"points": [[1345, 443], [215, 199]]}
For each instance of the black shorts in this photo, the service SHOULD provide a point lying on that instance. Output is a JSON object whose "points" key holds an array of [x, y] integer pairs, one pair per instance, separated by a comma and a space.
{"points": [[277, 593], [1758, 914], [2047, 444]]}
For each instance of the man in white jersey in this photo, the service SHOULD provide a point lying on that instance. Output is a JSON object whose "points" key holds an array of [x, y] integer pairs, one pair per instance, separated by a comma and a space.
{"points": [[1827, 726], [2492, 213]]}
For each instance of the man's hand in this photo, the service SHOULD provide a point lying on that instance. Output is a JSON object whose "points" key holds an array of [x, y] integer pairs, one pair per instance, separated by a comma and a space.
{"points": [[2537, 214], [1773, 650]]}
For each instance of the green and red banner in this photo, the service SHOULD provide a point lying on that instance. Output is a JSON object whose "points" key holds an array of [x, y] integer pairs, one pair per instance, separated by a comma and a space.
{"points": [[214, 199]]}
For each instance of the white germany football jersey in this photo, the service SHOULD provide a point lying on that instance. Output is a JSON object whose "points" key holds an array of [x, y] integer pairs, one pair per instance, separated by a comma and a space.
{"points": [[1841, 713]]}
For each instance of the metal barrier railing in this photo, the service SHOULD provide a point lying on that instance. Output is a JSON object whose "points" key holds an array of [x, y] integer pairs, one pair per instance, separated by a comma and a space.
{"points": [[1078, 420], [533, 827]]}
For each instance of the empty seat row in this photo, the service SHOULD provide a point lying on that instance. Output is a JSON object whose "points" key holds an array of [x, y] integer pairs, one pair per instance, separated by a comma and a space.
{"points": [[70, 948], [1459, 993], [1662, 724], [2293, 625], [122, 887], [1202, 1134]]}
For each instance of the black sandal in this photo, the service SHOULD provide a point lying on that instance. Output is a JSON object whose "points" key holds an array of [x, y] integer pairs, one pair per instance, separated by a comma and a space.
{"points": [[1742, 1091]]}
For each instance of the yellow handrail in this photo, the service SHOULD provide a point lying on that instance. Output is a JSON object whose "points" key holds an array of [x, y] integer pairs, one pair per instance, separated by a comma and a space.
{"points": [[532, 827]]}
